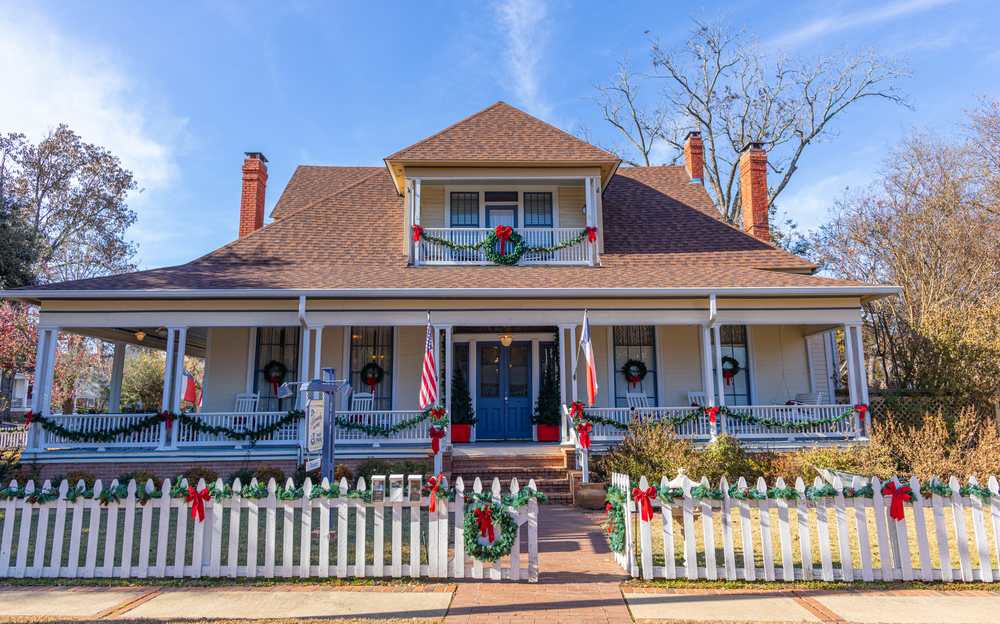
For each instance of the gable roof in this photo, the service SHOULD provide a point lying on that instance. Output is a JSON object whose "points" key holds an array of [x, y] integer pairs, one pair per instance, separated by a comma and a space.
{"points": [[502, 133], [310, 183]]}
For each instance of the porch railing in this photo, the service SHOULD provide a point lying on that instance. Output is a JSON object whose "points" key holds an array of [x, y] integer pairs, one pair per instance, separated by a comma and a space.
{"points": [[433, 253], [288, 434], [13, 437], [95, 423], [417, 434]]}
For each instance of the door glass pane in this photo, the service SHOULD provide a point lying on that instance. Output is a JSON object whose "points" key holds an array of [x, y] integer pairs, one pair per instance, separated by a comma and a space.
{"points": [[504, 215], [489, 372], [518, 370]]}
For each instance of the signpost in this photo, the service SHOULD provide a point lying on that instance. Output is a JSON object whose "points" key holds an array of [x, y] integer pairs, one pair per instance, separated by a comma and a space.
{"points": [[325, 438]]}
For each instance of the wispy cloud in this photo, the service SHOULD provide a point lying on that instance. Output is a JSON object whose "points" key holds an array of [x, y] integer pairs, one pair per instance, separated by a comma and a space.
{"points": [[523, 23], [847, 21]]}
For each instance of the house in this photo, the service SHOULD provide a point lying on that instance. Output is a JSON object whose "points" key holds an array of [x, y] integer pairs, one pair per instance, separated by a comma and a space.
{"points": [[357, 256]]}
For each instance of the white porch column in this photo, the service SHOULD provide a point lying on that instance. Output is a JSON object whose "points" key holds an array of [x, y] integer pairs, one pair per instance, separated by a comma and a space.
{"points": [[449, 372], [573, 352], [862, 369], [178, 381], [411, 217], [563, 380], [304, 366], [117, 376], [706, 366], [719, 378], [473, 382], [416, 212], [318, 352], [852, 377], [167, 400], [536, 381], [591, 198], [40, 404]]}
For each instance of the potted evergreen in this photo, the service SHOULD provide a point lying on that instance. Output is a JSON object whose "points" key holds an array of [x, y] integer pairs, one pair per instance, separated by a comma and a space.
{"points": [[462, 414], [546, 415]]}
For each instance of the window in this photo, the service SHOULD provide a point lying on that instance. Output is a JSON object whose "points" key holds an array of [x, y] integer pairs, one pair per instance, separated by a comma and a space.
{"points": [[372, 344], [538, 210], [462, 358], [734, 345], [465, 210], [635, 342], [506, 197], [276, 344]]}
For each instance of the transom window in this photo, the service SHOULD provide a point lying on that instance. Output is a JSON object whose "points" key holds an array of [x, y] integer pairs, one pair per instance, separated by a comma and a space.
{"points": [[465, 210], [635, 342], [538, 210]]}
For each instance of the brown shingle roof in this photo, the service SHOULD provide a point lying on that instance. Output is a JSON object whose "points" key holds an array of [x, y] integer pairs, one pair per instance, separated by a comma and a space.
{"points": [[309, 184], [659, 235], [502, 133]]}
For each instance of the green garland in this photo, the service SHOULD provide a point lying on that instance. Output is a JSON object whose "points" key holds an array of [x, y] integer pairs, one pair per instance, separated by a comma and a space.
{"points": [[971, 489], [376, 430], [112, 494], [489, 243], [522, 498], [505, 532], [747, 494], [615, 512], [701, 412], [74, 493]]}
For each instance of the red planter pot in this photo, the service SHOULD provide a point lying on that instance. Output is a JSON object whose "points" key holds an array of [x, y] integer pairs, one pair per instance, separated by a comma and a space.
{"points": [[461, 433], [548, 433]]}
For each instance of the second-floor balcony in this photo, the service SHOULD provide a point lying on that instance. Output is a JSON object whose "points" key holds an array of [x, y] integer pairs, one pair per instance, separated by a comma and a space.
{"points": [[467, 246]]}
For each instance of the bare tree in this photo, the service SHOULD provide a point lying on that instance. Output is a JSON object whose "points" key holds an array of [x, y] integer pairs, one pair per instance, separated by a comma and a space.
{"points": [[723, 83]]}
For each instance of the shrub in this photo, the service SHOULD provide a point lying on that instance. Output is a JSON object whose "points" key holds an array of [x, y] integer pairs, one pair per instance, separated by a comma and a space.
{"points": [[299, 477], [243, 474], [341, 471], [141, 476], [265, 473], [651, 449], [75, 476], [10, 462], [200, 472]]}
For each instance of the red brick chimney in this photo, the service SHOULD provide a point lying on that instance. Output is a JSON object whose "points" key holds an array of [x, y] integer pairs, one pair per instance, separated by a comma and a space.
{"points": [[694, 156], [753, 191], [254, 184]]}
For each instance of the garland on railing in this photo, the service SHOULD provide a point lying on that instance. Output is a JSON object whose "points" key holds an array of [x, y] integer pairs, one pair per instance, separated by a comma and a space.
{"points": [[713, 411], [493, 237], [153, 420], [379, 430]]}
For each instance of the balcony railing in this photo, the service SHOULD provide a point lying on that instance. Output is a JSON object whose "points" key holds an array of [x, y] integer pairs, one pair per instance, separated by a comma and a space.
{"points": [[434, 253]]}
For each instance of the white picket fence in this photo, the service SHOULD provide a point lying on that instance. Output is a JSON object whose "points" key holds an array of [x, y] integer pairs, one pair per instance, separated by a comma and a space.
{"points": [[246, 537], [897, 559]]}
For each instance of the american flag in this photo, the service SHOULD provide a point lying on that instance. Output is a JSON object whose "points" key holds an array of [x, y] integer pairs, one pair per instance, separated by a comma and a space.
{"points": [[428, 379]]}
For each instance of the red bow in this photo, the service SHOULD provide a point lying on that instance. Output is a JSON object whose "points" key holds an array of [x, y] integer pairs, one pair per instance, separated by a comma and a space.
{"points": [[728, 374], [436, 435], [503, 232], [899, 496], [861, 409], [643, 497], [418, 231], [434, 483], [168, 418], [437, 413], [575, 408], [197, 500], [30, 416], [634, 380], [485, 522], [372, 381], [273, 378], [712, 413], [583, 430], [592, 234]]}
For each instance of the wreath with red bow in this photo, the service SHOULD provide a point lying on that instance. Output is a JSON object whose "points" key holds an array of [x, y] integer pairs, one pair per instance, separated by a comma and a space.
{"points": [[372, 374], [511, 246], [274, 373], [732, 371], [491, 521], [640, 372]]}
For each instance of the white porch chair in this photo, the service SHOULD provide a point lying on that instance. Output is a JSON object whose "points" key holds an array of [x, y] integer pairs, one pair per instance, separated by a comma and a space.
{"points": [[697, 398], [246, 403], [363, 402], [805, 398], [637, 400]]}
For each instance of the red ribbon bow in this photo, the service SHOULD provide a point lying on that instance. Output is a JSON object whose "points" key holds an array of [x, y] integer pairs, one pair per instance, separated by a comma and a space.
{"points": [[583, 430], [168, 418], [643, 497], [728, 375], [592, 234], [634, 379], [576, 408], [273, 378], [899, 496], [712, 412], [485, 522], [435, 483], [436, 435], [861, 409], [372, 381], [418, 231], [197, 500], [30, 416], [503, 232]]}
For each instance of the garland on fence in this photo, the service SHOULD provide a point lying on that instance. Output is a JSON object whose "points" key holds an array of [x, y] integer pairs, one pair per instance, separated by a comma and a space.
{"points": [[153, 420], [501, 235], [615, 512]]}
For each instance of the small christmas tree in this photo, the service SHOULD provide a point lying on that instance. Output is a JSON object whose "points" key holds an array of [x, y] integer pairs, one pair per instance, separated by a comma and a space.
{"points": [[461, 401], [547, 407]]}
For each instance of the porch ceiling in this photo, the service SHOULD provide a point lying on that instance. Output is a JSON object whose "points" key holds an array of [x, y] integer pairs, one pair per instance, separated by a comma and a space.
{"points": [[197, 337]]}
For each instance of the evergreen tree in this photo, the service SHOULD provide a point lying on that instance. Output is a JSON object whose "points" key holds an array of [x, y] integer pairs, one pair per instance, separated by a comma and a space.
{"points": [[547, 407], [461, 401]]}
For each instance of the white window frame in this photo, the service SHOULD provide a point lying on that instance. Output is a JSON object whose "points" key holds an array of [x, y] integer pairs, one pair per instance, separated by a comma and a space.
{"points": [[521, 190]]}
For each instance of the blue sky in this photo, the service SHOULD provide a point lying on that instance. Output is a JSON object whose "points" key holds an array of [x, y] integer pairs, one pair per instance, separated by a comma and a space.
{"points": [[180, 90]]}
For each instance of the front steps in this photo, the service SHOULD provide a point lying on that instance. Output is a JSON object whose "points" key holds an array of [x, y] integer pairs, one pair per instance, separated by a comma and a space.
{"points": [[550, 470]]}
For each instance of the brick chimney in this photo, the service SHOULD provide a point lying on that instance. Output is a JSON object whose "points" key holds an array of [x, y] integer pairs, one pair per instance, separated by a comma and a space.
{"points": [[694, 156], [254, 184], [753, 191]]}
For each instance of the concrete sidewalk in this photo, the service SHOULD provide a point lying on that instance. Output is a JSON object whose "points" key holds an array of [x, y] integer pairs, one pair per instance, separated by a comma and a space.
{"points": [[874, 607], [277, 602]]}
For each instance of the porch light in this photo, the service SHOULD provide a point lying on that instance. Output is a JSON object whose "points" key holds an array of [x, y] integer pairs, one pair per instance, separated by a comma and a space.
{"points": [[139, 335], [506, 338]]}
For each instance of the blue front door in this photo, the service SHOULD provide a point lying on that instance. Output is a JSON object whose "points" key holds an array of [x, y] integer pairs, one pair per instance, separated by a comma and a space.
{"points": [[503, 398]]}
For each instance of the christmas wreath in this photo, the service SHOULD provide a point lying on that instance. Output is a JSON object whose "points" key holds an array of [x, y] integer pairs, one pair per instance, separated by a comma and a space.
{"points": [[501, 235], [639, 367], [274, 373], [484, 519], [732, 371], [439, 426], [372, 374]]}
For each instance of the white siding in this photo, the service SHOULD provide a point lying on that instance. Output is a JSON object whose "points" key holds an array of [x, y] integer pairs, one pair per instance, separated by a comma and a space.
{"points": [[432, 206], [227, 368], [822, 372], [600, 342], [782, 368], [408, 365], [681, 364], [333, 349], [572, 199]]}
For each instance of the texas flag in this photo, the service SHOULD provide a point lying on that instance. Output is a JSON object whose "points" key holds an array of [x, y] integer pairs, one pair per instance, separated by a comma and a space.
{"points": [[588, 354], [190, 392]]}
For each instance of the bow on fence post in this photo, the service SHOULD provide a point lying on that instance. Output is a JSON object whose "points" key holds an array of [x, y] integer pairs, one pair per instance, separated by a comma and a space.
{"points": [[197, 500], [899, 496], [644, 498], [861, 409], [592, 234], [583, 430], [168, 418], [418, 231], [712, 412], [436, 436], [503, 232], [576, 409], [435, 483], [485, 522]]}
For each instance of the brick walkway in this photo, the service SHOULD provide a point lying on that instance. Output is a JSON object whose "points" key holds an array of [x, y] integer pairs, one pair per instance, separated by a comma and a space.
{"points": [[578, 580]]}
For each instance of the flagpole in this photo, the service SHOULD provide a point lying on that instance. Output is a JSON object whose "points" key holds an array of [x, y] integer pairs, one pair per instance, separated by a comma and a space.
{"points": [[579, 348]]}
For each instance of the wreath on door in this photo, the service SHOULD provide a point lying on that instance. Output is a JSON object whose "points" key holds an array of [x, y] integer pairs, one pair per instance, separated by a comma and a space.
{"points": [[640, 369], [274, 373], [734, 368], [372, 374]]}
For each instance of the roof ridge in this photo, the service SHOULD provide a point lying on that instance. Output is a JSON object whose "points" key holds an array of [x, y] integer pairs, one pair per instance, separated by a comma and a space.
{"points": [[286, 217], [440, 132]]}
